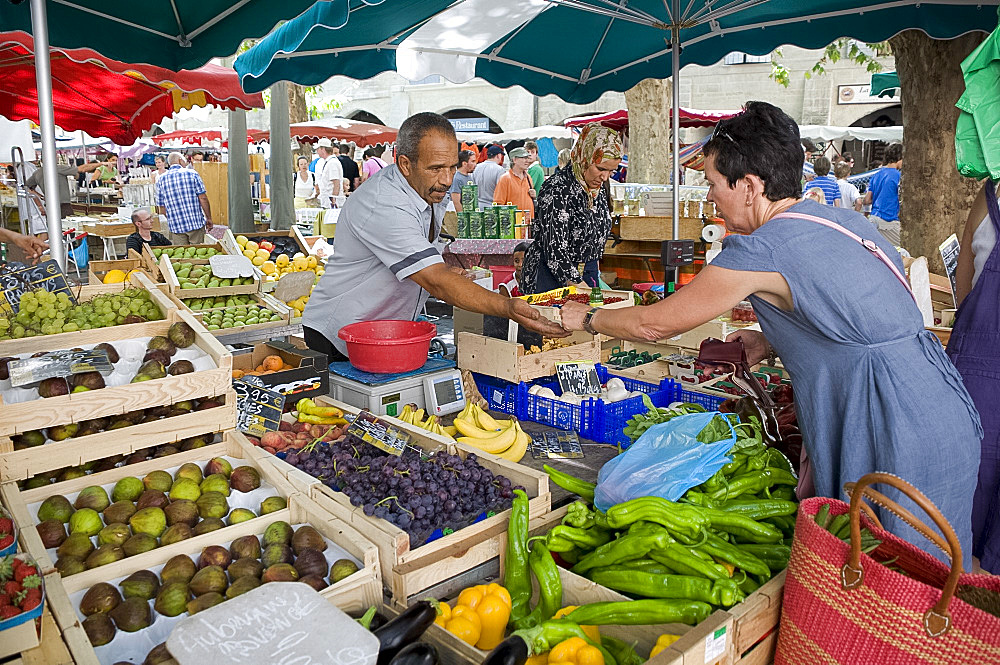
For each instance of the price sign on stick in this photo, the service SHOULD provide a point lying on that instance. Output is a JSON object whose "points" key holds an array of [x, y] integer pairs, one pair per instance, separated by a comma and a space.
{"points": [[15, 283], [58, 363], [949, 255], [258, 409], [280, 623], [370, 429], [579, 378]]}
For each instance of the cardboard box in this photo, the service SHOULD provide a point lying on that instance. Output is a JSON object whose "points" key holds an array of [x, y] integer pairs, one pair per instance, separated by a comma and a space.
{"points": [[310, 378], [465, 321]]}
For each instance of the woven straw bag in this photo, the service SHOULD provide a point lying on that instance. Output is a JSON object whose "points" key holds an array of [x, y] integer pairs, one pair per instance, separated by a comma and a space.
{"points": [[844, 607]]}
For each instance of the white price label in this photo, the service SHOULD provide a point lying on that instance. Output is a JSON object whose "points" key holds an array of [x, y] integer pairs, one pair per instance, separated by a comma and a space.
{"points": [[715, 645]]}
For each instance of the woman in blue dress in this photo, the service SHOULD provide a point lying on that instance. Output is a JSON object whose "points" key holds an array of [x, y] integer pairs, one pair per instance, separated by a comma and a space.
{"points": [[874, 391]]}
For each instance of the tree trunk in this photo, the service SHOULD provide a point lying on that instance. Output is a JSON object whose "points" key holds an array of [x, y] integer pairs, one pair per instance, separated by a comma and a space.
{"points": [[298, 109], [649, 131], [934, 198]]}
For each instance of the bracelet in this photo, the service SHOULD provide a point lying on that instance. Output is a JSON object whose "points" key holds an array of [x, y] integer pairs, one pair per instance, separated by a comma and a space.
{"points": [[587, 318]]}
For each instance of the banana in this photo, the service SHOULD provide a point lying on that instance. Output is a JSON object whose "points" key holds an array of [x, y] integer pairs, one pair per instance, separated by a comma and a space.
{"points": [[485, 420], [450, 430], [496, 444], [418, 417], [471, 429], [429, 423], [519, 447], [466, 412], [407, 414]]}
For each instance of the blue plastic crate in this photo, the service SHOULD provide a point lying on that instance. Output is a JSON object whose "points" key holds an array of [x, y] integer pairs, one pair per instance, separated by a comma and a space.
{"points": [[710, 402], [593, 419], [501, 395]]}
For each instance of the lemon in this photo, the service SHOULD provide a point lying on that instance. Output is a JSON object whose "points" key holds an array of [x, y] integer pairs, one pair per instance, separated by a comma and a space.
{"points": [[299, 263], [282, 260], [264, 254], [242, 241], [311, 261], [268, 267], [252, 245], [114, 277], [250, 254], [258, 260]]}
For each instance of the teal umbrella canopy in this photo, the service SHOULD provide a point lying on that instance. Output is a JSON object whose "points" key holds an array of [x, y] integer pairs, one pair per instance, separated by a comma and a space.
{"points": [[175, 34], [885, 84], [576, 49]]}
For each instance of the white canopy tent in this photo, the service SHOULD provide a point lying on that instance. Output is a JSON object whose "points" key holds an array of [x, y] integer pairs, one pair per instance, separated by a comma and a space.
{"points": [[829, 133], [529, 134]]}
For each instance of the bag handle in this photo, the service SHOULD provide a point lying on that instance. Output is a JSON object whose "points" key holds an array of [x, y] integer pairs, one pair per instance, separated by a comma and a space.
{"points": [[937, 619]]}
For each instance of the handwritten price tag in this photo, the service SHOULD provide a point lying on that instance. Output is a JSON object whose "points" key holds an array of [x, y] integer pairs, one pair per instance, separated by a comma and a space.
{"points": [[370, 429], [58, 363], [281, 623], [578, 378], [15, 283], [258, 409]]}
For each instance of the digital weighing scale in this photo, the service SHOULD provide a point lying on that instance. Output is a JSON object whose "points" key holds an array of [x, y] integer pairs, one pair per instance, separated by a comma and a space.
{"points": [[436, 387]]}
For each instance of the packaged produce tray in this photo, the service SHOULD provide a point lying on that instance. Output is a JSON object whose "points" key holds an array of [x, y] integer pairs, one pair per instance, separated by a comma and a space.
{"points": [[22, 411], [408, 569], [353, 594], [234, 447], [17, 633]]}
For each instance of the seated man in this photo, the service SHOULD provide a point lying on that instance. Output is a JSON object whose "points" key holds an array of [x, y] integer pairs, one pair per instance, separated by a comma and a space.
{"points": [[144, 233]]}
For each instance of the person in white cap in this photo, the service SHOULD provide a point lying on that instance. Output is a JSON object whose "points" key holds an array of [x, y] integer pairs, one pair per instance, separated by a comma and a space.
{"points": [[329, 175]]}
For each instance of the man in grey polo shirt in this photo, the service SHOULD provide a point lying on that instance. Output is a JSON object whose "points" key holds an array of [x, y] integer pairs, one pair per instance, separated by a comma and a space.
{"points": [[386, 258]]}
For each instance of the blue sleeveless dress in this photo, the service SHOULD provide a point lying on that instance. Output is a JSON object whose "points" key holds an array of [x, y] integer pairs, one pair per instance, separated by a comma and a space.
{"points": [[874, 391]]}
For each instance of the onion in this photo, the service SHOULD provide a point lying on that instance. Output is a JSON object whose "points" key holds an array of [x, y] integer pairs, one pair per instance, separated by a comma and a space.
{"points": [[545, 392], [570, 398], [615, 382], [533, 390]]}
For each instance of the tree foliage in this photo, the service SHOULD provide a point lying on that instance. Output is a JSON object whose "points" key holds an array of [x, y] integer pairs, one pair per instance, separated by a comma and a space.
{"points": [[850, 49]]}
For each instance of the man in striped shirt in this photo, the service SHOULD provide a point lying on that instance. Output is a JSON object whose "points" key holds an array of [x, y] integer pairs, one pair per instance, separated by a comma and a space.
{"points": [[180, 195], [824, 181]]}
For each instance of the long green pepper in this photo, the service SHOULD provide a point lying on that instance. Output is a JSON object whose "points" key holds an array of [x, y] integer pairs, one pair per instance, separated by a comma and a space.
{"points": [[734, 555], [753, 482], [640, 612], [585, 539], [686, 523], [623, 652], [516, 578], [545, 636], [571, 483], [625, 548], [546, 572], [684, 587]]}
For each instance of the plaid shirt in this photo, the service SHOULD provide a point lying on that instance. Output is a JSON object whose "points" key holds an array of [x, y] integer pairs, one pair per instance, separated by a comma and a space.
{"points": [[177, 191]]}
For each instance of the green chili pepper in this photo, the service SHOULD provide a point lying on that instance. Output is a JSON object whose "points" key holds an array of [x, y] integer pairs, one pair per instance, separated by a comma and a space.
{"points": [[740, 525], [516, 577], [758, 509], [585, 539], [545, 636], [684, 562], [623, 652], [717, 592], [838, 523], [570, 483], [684, 522], [549, 587], [732, 468], [641, 612], [784, 493], [823, 515], [625, 548], [579, 515], [699, 499], [774, 555], [753, 482], [748, 585], [734, 555], [717, 481], [647, 565]]}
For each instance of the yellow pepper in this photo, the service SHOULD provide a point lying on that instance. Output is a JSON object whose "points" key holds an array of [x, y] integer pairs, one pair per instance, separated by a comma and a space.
{"points": [[662, 642], [590, 631], [308, 407], [538, 659], [320, 420], [491, 603], [443, 614], [575, 651], [465, 624]]}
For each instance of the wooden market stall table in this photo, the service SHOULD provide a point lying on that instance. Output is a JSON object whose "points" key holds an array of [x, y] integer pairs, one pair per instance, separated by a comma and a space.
{"points": [[469, 252], [108, 230]]}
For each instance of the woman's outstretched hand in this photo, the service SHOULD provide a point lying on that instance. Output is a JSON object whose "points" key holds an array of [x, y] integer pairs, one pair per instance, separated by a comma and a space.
{"points": [[754, 343]]}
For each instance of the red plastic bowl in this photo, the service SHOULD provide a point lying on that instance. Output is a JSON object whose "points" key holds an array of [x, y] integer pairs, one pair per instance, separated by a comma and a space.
{"points": [[388, 347]]}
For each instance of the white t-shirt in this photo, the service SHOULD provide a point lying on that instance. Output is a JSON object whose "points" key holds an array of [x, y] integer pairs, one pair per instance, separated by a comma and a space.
{"points": [[304, 190], [328, 170], [848, 194]]}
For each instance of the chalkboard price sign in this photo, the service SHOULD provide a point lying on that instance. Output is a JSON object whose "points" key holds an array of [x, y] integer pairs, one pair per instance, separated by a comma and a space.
{"points": [[949, 255], [15, 283], [555, 445], [370, 429], [258, 409], [579, 378], [58, 363]]}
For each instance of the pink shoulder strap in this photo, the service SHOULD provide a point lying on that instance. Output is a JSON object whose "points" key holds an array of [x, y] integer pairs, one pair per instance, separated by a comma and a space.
{"points": [[867, 244]]}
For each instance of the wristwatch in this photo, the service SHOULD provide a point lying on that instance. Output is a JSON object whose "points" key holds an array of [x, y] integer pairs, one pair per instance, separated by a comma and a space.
{"points": [[587, 319]]}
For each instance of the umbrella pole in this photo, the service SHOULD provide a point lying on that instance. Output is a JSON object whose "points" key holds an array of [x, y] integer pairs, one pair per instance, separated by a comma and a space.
{"points": [[47, 126], [675, 84]]}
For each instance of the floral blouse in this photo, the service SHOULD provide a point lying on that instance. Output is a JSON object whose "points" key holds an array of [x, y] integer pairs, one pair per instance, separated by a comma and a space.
{"points": [[566, 230]]}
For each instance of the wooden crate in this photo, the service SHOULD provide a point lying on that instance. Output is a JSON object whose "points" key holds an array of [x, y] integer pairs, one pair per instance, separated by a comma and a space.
{"points": [[174, 286], [117, 400], [293, 233], [117, 229], [657, 227], [262, 299], [233, 445], [96, 270], [755, 623], [354, 594], [508, 361], [51, 649], [407, 571]]}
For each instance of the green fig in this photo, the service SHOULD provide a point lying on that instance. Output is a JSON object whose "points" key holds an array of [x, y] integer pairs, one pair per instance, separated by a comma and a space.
{"points": [[139, 543], [142, 584], [272, 504], [113, 534], [85, 521], [93, 497], [181, 511], [179, 568], [212, 504], [218, 465], [341, 569], [248, 547], [245, 567], [207, 525], [119, 512], [100, 598], [132, 615], [56, 507], [204, 601], [70, 565], [99, 628], [241, 585], [104, 555], [275, 554], [158, 480], [151, 521], [185, 488], [127, 489], [280, 572], [77, 545], [63, 432], [181, 334], [208, 579], [175, 534], [237, 515], [172, 599], [278, 533], [216, 483], [189, 470]]}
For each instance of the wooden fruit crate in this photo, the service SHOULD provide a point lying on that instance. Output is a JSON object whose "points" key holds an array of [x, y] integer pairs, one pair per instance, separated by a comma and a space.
{"points": [[354, 594], [52, 646], [755, 623], [110, 401], [23, 504], [294, 233], [96, 270], [262, 299], [174, 286], [152, 263], [508, 361], [408, 571], [67, 340]]}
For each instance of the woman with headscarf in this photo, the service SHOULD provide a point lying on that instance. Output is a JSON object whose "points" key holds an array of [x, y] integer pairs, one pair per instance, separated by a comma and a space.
{"points": [[572, 218]]}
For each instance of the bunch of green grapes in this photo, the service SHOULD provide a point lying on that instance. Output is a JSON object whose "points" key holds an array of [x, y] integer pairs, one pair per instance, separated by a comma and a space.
{"points": [[45, 313]]}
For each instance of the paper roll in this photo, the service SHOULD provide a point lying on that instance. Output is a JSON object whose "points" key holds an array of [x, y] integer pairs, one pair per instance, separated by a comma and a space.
{"points": [[712, 233]]}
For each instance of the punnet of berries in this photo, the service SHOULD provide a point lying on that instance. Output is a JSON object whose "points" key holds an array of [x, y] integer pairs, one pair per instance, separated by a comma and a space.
{"points": [[7, 533], [20, 587]]}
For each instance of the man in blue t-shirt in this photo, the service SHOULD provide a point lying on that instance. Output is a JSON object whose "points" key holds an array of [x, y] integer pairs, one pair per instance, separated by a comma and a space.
{"points": [[883, 194], [824, 181]]}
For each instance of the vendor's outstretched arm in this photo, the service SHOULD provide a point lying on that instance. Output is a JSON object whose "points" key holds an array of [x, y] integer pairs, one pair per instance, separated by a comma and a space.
{"points": [[445, 284], [714, 291]]}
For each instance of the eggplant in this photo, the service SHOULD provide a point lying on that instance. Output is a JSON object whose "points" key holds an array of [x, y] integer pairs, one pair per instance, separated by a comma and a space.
{"points": [[403, 630], [512, 651], [418, 653]]}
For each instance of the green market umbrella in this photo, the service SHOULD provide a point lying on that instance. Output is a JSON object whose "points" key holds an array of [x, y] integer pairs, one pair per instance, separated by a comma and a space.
{"points": [[977, 133], [885, 84], [576, 49], [174, 34]]}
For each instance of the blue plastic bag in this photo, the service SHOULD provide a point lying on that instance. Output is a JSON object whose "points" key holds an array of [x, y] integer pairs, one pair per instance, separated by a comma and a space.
{"points": [[666, 461]]}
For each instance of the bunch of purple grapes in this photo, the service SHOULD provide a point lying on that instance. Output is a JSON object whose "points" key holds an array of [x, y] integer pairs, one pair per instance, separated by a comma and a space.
{"points": [[419, 494]]}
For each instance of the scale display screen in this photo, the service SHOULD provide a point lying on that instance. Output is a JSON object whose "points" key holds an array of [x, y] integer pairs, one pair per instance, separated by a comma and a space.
{"points": [[444, 394]]}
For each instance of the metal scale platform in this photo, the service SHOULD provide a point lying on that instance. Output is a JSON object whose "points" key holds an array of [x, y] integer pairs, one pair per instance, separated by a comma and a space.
{"points": [[436, 387]]}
